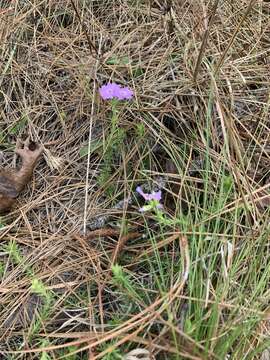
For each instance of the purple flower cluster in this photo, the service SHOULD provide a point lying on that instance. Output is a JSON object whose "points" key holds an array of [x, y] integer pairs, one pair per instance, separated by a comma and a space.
{"points": [[113, 90], [155, 195], [153, 199]]}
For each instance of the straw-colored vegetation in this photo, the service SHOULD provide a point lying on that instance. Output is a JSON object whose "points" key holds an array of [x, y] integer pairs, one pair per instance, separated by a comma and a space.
{"points": [[85, 274]]}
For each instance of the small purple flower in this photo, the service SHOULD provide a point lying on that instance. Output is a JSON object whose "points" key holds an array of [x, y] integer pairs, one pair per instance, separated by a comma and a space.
{"points": [[153, 200], [125, 93], [113, 90], [154, 195], [109, 91], [142, 193]]}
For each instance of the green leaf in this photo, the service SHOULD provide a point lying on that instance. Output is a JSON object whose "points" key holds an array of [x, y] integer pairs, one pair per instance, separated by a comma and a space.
{"points": [[14, 252], [38, 287], [140, 130], [21, 124], [45, 356], [227, 183], [95, 146], [125, 60], [114, 60], [138, 72]]}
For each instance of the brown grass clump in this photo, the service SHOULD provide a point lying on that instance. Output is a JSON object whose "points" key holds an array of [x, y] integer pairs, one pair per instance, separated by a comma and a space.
{"points": [[198, 124]]}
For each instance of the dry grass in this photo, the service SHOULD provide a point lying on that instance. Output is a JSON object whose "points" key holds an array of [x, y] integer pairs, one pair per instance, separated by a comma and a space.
{"points": [[200, 73]]}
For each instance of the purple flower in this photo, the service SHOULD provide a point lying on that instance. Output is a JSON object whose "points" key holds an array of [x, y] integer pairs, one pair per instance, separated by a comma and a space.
{"points": [[154, 195], [125, 93], [113, 90], [109, 91]]}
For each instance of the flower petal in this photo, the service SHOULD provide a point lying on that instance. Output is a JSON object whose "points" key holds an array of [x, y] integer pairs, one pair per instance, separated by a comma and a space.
{"points": [[156, 195], [125, 93], [109, 91], [142, 193]]}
